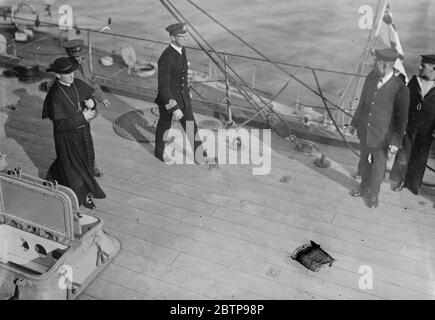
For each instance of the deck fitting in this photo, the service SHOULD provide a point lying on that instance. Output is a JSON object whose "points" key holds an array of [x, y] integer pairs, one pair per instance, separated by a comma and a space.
{"points": [[132, 125], [322, 162]]}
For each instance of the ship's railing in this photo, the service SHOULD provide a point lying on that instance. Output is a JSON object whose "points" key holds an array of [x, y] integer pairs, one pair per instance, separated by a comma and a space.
{"points": [[258, 72]]}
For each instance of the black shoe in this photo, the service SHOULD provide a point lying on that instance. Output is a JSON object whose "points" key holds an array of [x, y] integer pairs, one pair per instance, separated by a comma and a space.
{"points": [[356, 176], [414, 190], [372, 201], [88, 203], [200, 163], [212, 163], [356, 193], [398, 187], [204, 157], [165, 159], [97, 172]]}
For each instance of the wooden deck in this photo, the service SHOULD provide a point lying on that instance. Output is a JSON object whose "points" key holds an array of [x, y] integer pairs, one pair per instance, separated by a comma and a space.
{"points": [[191, 232]]}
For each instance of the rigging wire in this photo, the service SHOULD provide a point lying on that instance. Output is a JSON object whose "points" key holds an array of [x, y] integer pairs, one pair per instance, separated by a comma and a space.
{"points": [[241, 90], [244, 56], [247, 57], [245, 94], [330, 115], [275, 127], [172, 12], [266, 58], [162, 42], [324, 100]]}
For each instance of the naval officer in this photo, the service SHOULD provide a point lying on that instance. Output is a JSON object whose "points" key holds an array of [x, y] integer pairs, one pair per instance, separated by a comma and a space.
{"points": [[173, 97], [380, 120]]}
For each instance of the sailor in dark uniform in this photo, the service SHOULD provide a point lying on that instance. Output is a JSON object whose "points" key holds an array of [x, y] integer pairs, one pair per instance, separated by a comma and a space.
{"points": [[74, 49], [380, 120], [173, 96], [410, 163], [69, 104]]}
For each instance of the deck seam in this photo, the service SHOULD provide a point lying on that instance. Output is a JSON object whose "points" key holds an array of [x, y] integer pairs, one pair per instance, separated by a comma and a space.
{"points": [[339, 284], [301, 228]]}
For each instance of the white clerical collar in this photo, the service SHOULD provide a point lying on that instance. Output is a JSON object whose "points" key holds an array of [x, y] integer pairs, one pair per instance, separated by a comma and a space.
{"points": [[177, 48], [63, 83]]}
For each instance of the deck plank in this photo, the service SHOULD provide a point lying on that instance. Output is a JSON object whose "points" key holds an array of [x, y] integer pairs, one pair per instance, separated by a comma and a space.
{"points": [[84, 296], [275, 199], [297, 216], [257, 250], [143, 247], [107, 290], [271, 289], [144, 284], [334, 245], [167, 239], [205, 286]]}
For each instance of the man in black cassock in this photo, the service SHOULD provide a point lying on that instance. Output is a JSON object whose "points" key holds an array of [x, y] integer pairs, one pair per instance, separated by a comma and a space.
{"points": [[73, 48], [69, 104], [173, 96]]}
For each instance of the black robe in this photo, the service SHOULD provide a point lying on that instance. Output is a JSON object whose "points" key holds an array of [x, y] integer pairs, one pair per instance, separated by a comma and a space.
{"points": [[72, 139]]}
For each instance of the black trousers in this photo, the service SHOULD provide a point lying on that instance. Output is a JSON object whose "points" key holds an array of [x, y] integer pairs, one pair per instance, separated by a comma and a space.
{"points": [[410, 162], [164, 124], [372, 174]]}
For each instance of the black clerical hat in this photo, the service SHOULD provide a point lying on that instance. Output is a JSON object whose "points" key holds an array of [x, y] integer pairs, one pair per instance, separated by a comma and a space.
{"points": [[63, 65]]}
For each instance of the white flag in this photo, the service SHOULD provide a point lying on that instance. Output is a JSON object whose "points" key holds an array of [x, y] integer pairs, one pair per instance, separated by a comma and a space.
{"points": [[387, 33]]}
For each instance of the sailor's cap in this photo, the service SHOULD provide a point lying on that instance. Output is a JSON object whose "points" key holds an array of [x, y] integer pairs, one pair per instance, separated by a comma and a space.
{"points": [[177, 29], [387, 54], [428, 58], [73, 47]]}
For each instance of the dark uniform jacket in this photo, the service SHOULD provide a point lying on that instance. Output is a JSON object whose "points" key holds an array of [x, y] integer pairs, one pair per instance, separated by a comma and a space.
{"points": [[421, 109], [382, 114], [173, 90], [88, 77]]}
